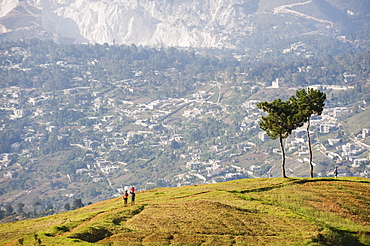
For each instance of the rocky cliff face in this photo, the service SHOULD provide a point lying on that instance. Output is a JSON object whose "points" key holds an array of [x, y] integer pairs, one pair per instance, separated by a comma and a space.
{"points": [[205, 23]]}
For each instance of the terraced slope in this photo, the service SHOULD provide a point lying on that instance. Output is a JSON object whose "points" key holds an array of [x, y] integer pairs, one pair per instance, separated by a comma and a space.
{"points": [[242, 212]]}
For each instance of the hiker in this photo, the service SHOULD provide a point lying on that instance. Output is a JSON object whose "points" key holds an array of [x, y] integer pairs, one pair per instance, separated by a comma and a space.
{"points": [[125, 198], [132, 189], [132, 197], [336, 172]]}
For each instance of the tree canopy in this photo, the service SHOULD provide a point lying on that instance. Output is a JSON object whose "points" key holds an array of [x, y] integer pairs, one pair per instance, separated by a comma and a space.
{"points": [[308, 103], [283, 117]]}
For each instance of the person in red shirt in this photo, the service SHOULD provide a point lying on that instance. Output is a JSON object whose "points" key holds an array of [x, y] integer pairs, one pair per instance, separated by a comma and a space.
{"points": [[125, 198], [132, 197]]}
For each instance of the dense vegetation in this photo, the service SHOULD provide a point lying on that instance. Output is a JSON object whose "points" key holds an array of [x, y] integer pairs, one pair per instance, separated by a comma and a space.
{"points": [[158, 73], [49, 67], [166, 72]]}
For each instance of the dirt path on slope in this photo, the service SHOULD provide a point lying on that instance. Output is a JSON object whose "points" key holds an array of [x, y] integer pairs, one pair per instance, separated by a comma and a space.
{"points": [[285, 9]]}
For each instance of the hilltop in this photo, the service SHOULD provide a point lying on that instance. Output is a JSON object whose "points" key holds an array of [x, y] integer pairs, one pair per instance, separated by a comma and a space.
{"points": [[241, 212]]}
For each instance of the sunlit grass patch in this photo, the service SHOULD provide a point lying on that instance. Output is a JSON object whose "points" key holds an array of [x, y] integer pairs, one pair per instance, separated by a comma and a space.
{"points": [[106, 225], [48, 226], [214, 218], [194, 217], [322, 202], [125, 238], [241, 212]]}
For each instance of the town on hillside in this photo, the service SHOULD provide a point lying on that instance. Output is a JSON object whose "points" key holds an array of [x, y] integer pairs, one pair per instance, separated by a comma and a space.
{"points": [[92, 139]]}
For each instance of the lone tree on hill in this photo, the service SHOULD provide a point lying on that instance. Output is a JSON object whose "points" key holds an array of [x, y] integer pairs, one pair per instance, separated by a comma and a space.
{"points": [[308, 103], [283, 117]]}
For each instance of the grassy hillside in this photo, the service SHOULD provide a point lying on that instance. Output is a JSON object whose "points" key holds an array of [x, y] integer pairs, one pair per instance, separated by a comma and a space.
{"points": [[241, 212]]}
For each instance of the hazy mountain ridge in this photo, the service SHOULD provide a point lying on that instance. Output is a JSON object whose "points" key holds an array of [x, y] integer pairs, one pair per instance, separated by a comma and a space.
{"points": [[217, 24]]}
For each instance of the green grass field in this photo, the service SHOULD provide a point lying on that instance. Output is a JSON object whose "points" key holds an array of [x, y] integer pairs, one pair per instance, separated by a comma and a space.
{"points": [[242, 212]]}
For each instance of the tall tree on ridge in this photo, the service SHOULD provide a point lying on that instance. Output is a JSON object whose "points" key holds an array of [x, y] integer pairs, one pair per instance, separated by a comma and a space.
{"points": [[283, 117], [308, 103]]}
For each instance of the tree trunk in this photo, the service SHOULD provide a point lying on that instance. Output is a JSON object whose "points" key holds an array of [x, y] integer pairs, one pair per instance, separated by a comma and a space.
{"points": [[309, 147], [283, 157]]}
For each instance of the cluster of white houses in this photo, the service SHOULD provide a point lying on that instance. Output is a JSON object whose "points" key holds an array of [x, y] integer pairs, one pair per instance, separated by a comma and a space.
{"points": [[194, 106]]}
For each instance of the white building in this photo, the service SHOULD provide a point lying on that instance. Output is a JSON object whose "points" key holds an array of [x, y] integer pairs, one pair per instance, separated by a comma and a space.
{"points": [[359, 161], [193, 165], [275, 84], [255, 168], [365, 133], [251, 104], [334, 141], [348, 148], [326, 128], [339, 111], [262, 136]]}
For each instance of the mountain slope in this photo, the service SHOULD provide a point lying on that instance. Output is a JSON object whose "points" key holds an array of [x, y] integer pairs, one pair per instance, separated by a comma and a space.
{"points": [[190, 23], [254, 211]]}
